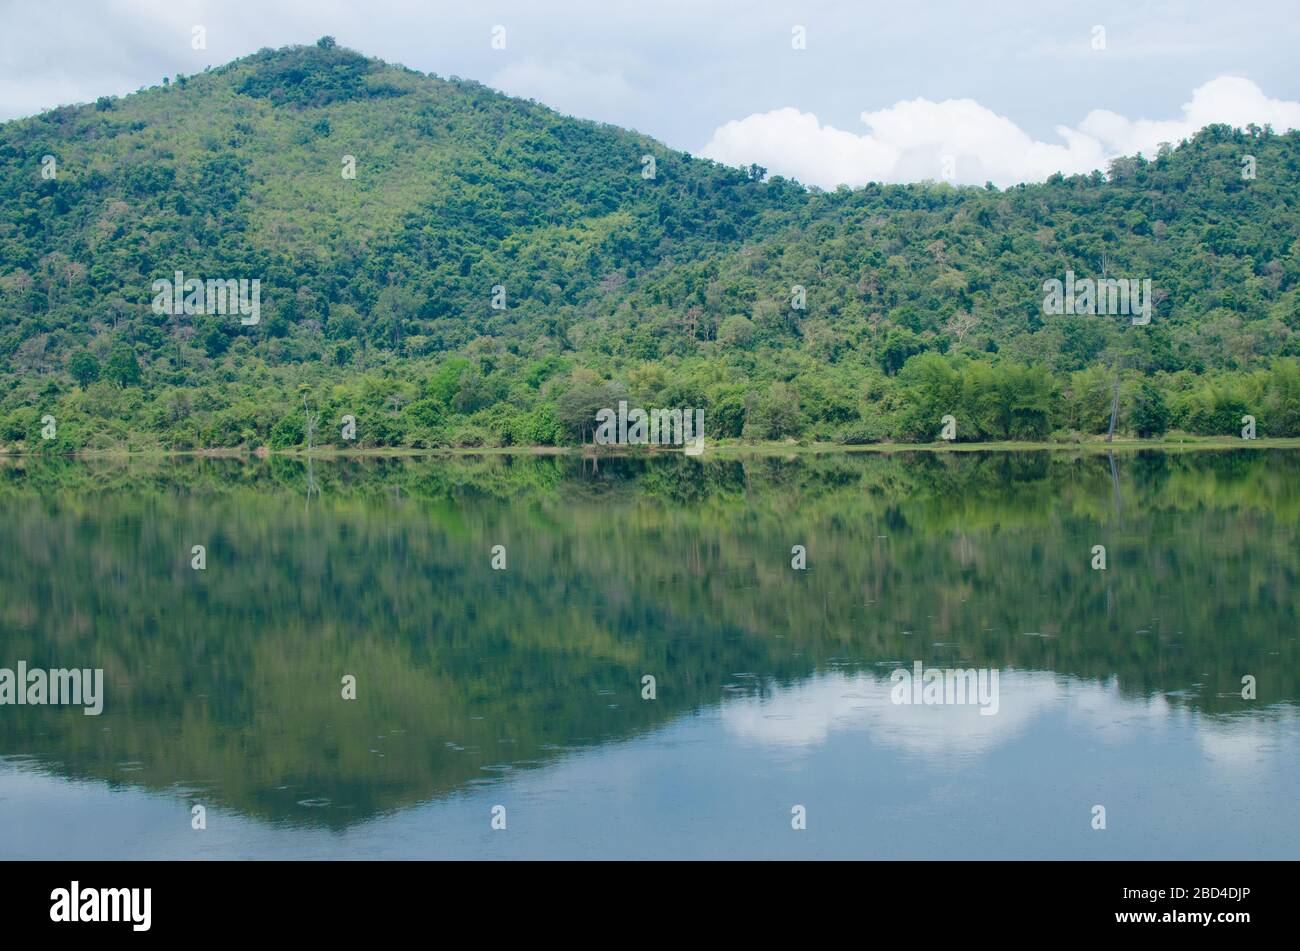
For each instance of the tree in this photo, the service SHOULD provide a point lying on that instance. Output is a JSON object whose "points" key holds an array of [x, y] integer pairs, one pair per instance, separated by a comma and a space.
{"points": [[310, 419], [776, 415], [287, 433], [737, 330], [215, 342], [123, 368], [84, 367], [1282, 405], [960, 324], [444, 384], [899, 346], [726, 417], [343, 322], [577, 406], [933, 389], [395, 307], [1149, 415]]}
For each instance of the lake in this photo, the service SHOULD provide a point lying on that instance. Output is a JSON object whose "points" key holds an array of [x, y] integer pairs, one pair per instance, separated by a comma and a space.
{"points": [[508, 685]]}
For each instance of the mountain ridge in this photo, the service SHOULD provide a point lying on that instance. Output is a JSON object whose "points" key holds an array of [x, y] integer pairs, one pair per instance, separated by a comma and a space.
{"points": [[495, 271]]}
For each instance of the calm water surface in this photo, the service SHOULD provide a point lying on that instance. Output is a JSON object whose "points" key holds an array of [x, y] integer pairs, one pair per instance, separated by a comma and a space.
{"points": [[523, 687]]}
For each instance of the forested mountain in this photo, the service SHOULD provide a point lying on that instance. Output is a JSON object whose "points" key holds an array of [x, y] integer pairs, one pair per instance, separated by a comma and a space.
{"points": [[452, 266]]}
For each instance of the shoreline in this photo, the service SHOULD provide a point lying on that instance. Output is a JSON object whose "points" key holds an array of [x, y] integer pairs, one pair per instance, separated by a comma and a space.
{"points": [[729, 448]]}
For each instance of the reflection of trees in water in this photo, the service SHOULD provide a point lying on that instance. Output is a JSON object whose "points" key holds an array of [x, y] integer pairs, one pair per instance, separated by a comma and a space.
{"points": [[228, 679]]}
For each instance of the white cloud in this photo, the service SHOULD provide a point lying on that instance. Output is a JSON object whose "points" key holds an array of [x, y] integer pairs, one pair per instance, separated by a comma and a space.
{"points": [[1228, 99], [917, 139], [795, 144]]}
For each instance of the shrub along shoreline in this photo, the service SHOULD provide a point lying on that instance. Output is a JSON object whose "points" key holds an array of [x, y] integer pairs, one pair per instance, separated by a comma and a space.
{"points": [[1174, 442]]}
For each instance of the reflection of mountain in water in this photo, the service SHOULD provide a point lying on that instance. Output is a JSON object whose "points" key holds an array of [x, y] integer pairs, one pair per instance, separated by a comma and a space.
{"points": [[228, 680]]}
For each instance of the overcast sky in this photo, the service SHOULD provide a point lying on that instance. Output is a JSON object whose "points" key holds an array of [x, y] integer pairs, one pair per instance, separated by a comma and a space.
{"points": [[881, 91]]}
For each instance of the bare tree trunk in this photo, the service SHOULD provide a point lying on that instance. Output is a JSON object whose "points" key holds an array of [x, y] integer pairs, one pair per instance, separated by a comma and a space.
{"points": [[1114, 481], [310, 421], [1114, 409]]}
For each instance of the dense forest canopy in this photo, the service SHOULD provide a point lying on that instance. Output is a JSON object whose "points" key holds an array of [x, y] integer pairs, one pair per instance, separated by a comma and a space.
{"points": [[454, 267]]}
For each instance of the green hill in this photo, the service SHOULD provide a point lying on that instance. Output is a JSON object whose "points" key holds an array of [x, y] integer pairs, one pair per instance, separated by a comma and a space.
{"points": [[495, 272]]}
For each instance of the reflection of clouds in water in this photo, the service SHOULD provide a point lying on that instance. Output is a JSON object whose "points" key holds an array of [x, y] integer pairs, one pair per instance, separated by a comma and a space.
{"points": [[800, 717], [1236, 743], [1107, 715], [1241, 744], [805, 715]]}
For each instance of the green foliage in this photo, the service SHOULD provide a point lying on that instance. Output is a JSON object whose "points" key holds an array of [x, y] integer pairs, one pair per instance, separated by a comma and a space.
{"points": [[577, 406], [1210, 409], [775, 414], [123, 368], [1148, 416], [922, 300], [83, 367], [1281, 416], [311, 77], [288, 432]]}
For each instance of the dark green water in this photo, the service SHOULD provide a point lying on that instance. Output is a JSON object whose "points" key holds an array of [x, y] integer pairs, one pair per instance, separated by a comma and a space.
{"points": [[522, 688]]}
